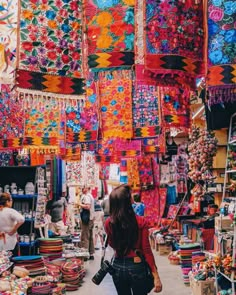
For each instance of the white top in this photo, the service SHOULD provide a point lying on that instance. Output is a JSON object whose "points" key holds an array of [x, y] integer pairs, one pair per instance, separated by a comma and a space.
{"points": [[72, 195], [88, 200], [98, 217], [8, 219]]}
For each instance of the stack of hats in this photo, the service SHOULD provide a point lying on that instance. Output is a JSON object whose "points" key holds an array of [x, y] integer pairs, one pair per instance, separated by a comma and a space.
{"points": [[186, 259], [34, 264], [72, 274], [51, 248]]}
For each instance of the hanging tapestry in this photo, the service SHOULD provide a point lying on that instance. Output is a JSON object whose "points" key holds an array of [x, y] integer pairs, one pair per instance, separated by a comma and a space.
{"points": [[74, 129], [162, 196], [74, 173], [72, 152], [150, 145], [139, 29], [110, 33], [133, 174], [42, 120], [51, 37], [145, 172], [91, 169], [174, 37], [221, 77], [11, 117], [145, 111], [150, 199], [175, 107], [8, 40], [104, 170], [49, 83], [156, 171], [116, 104], [127, 148], [123, 171]]}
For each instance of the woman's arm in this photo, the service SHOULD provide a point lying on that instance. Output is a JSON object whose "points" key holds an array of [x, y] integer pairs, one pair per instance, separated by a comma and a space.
{"points": [[17, 220], [147, 252]]}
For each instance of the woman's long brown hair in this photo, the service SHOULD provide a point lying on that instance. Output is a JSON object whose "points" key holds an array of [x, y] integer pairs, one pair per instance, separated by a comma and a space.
{"points": [[123, 220]]}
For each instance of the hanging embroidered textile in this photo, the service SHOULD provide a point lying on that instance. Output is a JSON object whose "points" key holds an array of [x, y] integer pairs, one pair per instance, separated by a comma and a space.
{"points": [[42, 120], [11, 117], [150, 199], [104, 170], [49, 83], [123, 171], [72, 152], [75, 123], [145, 111], [127, 148], [150, 145], [116, 104], [162, 196], [110, 33], [74, 173], [139, 29], [145, 172], [51, 37], [221, 77], [174, 37], [8, 40], [133, 174], [175, 107], [90, 169]]}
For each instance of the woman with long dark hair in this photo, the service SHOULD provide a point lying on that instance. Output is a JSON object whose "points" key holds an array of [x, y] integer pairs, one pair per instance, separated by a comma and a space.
{"points": [[128, 234]]}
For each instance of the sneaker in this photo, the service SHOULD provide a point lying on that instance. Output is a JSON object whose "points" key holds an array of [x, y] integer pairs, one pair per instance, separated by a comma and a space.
{"points": [[91, 257], [96, 248]]}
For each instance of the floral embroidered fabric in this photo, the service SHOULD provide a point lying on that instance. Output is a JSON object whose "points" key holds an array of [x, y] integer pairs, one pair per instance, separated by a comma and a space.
{"points": [[8, 40], [221, 76], [110, 33], [116, 104], [11, 115], [174, 37], [51, 37]]}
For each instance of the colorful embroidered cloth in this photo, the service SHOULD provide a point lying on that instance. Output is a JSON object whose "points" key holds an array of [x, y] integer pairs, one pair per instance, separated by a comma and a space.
{"points": [[150, 145], [221, 77], [110, 33], [150, 199], [104, 170], [42, 120], [145, 111], [175, 107], [49, 83], [8, 40], [115, 90], [174, 37], [50, 37], [133, 174], [146, 172], [11, 117]]}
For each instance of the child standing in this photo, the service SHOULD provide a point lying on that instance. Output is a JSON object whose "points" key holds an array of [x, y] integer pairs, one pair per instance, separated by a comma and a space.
{"points": [[98, 225]]}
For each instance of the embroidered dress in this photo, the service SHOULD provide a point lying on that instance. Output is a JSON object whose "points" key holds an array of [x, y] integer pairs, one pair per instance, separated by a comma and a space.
{"points": [[221, 77]]}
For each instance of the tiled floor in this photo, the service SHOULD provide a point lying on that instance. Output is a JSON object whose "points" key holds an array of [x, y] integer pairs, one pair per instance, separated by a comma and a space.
{"points": [[170, 275]]}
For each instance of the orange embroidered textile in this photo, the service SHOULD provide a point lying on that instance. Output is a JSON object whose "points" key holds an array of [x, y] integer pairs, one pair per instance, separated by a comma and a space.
{"points": [[115, 89]]}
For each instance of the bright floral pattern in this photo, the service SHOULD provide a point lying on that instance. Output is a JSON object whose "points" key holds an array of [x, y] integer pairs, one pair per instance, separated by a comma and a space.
{"points": [[110, 26], [11, 113], [221, 32], [116, 104], [50, 35], [42, 117], [8, 40], [175, 107], [175, 27]]}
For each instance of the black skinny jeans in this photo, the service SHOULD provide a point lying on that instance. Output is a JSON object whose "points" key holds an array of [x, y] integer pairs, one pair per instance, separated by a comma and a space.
{"points": [[128, 277]]}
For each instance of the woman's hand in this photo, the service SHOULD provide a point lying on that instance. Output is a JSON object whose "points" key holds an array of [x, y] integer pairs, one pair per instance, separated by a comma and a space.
{"points": [[157, 283]]}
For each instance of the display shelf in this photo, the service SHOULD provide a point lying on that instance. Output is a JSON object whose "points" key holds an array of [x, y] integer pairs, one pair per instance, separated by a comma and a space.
{"points": [[24, 196], [29, 219], [231, 171], [27, 243], [227, 277]]}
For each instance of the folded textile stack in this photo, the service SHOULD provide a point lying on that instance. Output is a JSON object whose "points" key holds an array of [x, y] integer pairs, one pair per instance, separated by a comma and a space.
{"points": [[72, 274], [34, 264], [51, 248], [186, 259], [198, 256]]}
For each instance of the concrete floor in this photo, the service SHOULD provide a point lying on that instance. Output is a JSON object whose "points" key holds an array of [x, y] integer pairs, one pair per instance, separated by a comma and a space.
{"points": [[171, 277]]}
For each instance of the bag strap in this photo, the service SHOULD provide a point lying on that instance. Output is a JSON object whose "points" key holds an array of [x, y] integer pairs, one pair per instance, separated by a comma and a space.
{"points": [[104, 251]]}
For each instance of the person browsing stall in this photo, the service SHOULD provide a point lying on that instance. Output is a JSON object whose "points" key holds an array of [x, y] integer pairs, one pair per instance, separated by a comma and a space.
{"points": [[10, 221], [87, 202], [128, 235]]}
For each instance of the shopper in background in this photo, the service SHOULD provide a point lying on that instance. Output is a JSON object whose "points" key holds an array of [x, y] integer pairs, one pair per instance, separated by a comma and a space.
{"points": [[10, 221], [87, 202], [106, 207], [56, 209], [126, 234], [98, 226]]}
